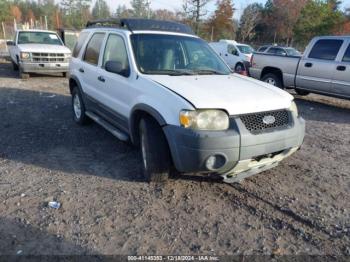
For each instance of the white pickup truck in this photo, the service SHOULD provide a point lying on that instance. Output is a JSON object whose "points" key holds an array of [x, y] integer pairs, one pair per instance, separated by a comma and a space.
{"points": [[324, 68], [38, 51]]}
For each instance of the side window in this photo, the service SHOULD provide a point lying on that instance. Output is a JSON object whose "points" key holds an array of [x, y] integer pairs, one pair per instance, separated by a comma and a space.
{"points": [[346, 57], [231, 49], [262, 49], [116, 51], [326, 49], [92, 52], [79, 44], [276, 51]]}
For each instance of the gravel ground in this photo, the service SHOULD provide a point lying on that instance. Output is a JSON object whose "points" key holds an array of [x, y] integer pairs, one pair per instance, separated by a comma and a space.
{"points": [[300, 207]]}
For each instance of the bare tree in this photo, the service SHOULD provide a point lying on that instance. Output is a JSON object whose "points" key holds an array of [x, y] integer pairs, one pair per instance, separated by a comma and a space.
{"points": [[250, 19], [195, 10]]}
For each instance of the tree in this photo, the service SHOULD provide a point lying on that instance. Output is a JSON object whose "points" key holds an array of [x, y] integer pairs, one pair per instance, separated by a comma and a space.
{"points": [[163, 14], [101, 9], [251, 17], [317, 18], [123, 12], [221, 23], [16, 13], [4, 10], [141, 8], [195, 10], [75, 12]]}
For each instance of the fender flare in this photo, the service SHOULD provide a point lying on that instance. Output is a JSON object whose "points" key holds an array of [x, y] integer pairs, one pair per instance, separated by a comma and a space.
{"points": [[147, 109]]}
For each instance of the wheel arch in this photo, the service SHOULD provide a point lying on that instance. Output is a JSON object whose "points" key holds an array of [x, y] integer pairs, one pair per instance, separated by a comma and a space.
{"points": [[137, 113], [272, 70]]}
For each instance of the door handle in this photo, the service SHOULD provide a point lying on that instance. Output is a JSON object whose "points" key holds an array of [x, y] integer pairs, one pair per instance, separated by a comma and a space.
{"points": [[226, 54], [101, 78], [341, 68], [308, 64], [81, 70]]}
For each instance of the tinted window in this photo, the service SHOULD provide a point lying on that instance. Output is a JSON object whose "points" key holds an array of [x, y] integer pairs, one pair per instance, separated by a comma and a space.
{"points": [[116, 51], [346, 57], [93, 48], [79, 44], [276, 51], [262, 49], [326, 49]]}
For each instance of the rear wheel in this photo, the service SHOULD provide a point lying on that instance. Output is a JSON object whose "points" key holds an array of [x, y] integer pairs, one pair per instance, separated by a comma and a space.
{"points": [[239, 67], [154, 150], [273, 79], [301, 92], [78, 108]]}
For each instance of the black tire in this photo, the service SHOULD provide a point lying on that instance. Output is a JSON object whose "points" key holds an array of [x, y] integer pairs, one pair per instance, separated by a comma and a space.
{"points": [[301, 92], [239, 67], [22, 74], [82, 118], [14, 66], [154, 151], [273, 79]]}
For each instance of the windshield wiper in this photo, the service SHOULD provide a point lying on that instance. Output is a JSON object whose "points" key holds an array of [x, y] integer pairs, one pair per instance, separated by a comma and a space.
{"points": [[170, 72], [208, 72]]}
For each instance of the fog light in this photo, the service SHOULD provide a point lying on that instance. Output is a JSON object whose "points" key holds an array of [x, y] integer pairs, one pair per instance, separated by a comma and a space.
{"points": [[215, 162]]}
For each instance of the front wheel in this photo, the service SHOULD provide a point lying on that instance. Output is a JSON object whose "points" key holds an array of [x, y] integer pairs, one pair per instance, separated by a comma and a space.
{"points": [[239, 67], [301, 92], [22, 74], [272, 79], [155, 151]]}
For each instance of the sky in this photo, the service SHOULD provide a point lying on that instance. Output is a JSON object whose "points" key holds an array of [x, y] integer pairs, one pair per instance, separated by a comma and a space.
{"points": [[177, 4]]}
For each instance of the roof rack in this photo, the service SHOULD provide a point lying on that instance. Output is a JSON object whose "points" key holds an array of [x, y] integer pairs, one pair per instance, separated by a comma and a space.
{"points": [[133, 24]]}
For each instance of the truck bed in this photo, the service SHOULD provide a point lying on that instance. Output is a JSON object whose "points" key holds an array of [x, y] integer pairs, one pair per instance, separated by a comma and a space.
{"points": [[265, 63]]}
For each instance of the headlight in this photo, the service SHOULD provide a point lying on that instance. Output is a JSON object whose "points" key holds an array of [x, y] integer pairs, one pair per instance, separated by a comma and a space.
{"points": [[25, 55], [204, 119], [294, 108], [68, 55]]}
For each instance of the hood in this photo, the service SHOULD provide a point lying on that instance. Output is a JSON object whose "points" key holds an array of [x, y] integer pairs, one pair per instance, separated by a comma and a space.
{"points": [[234, 93], [40, 48]]}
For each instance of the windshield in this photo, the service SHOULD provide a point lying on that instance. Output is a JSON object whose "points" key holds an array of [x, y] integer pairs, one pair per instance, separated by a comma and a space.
{"points": [[175, 55], [38, 38], [245, 49], [292, 52]]}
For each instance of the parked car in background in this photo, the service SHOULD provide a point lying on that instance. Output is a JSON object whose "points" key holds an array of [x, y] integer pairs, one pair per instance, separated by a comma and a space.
{"points": [[236, 55], [279, 50], [324, 68], [38, 51], [158, 85]]}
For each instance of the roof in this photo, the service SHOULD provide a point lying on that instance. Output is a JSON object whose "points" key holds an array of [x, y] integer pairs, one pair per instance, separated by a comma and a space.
{"points": [[142, 25], [35, 30]]}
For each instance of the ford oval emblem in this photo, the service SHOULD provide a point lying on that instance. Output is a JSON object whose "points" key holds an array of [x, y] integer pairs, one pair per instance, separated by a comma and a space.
{"points": [[269, 120]]}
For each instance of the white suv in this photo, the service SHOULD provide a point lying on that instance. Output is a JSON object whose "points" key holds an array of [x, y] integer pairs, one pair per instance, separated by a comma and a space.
{"points": [[156, 84]]}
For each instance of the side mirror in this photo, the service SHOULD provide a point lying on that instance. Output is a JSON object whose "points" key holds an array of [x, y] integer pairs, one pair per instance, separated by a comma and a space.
{"points": [[117, 68], [10, 43], [236, 53]]}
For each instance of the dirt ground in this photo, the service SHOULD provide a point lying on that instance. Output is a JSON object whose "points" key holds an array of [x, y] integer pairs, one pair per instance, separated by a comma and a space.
{"points": [[300, 207]]}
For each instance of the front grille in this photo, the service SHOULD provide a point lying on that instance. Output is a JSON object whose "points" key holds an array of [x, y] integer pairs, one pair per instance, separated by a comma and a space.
{"points": [[255, 122], [48, 57]]}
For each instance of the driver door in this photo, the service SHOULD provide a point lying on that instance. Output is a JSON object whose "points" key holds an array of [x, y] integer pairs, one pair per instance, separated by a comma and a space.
{"points": [[232, 56]]}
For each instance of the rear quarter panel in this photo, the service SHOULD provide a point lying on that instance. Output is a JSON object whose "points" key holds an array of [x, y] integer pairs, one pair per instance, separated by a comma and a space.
{"points": [[286, 64]]}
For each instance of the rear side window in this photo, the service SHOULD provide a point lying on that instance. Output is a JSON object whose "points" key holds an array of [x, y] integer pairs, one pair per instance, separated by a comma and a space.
{"points": [[262, 49], [276, 51], [326, 49], [92, 52], [346, 57], [82, 38]]}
